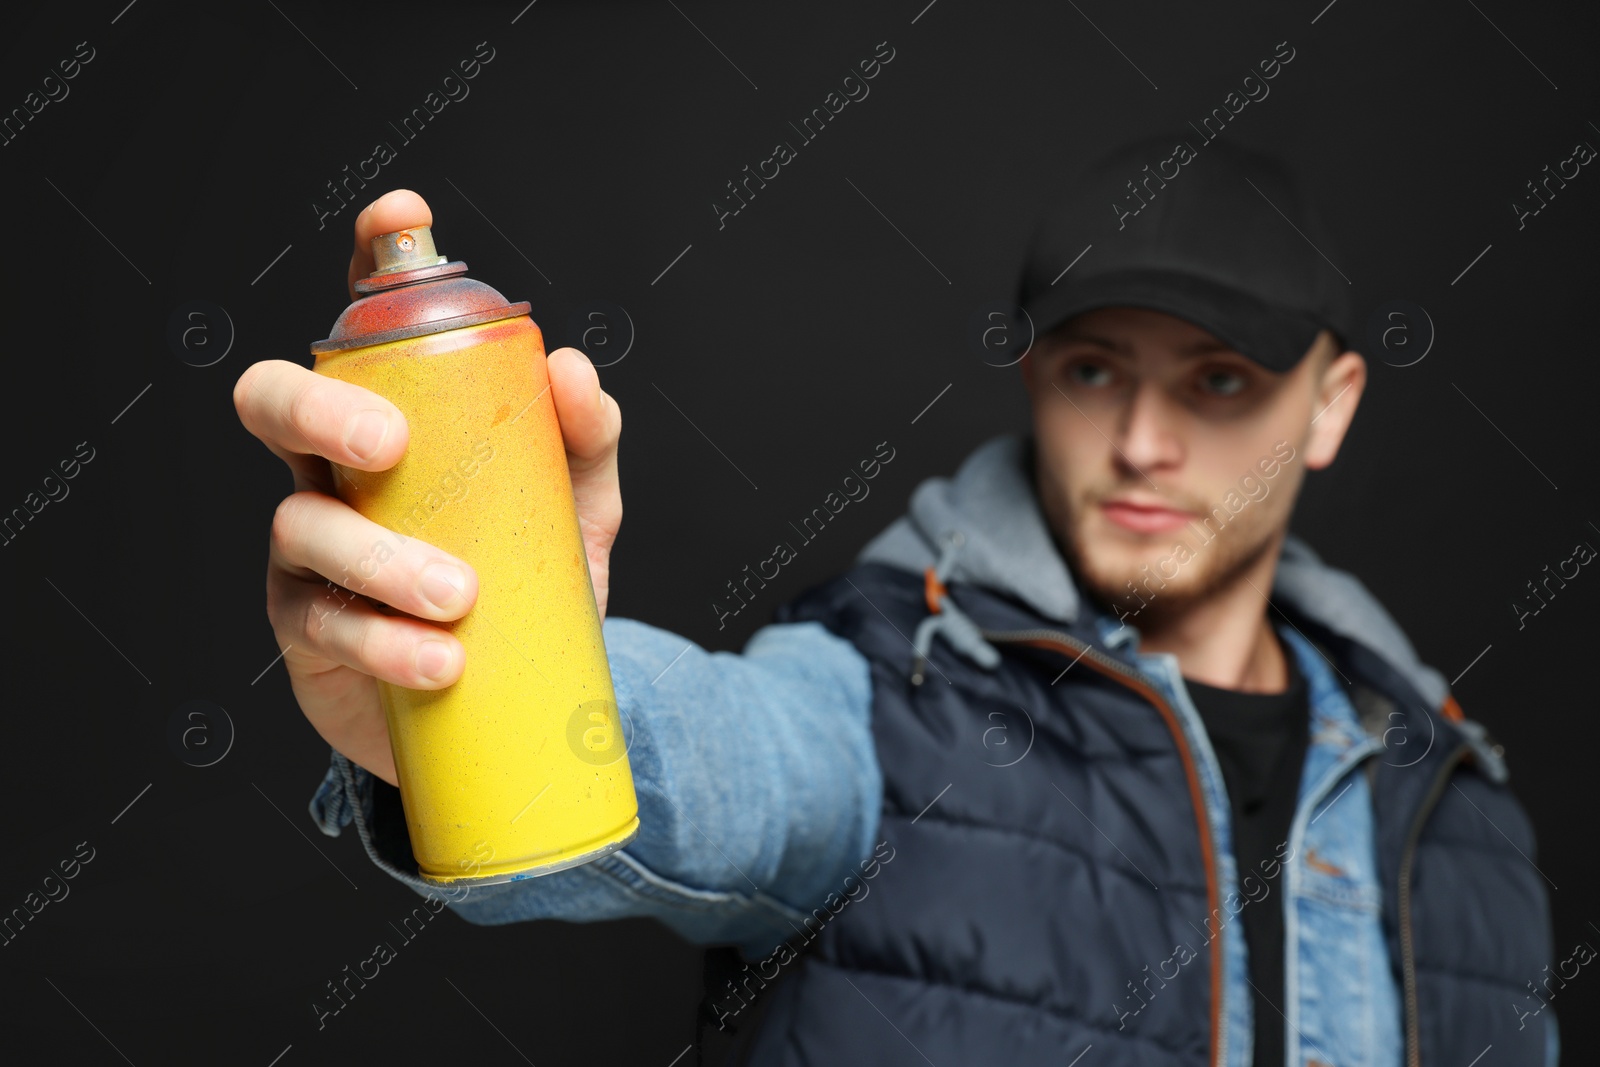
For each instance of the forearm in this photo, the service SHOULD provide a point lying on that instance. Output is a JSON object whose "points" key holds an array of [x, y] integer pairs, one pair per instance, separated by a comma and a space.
{"points": [[758, 790]]}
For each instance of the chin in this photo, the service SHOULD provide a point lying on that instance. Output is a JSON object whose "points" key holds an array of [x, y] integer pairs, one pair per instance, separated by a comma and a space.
{"points": [[1111, 546], [1105, 565], [1106, 558]]}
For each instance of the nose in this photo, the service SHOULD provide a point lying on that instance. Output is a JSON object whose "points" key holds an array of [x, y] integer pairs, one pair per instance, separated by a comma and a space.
{"points": [[1147, 435]]}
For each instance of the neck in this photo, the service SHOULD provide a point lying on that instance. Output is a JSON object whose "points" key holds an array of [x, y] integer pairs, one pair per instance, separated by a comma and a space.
{"points": [[1227, 640]]}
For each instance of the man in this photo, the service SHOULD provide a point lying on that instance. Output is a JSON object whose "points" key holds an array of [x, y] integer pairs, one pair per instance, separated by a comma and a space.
{"points": [[1000, 793]]}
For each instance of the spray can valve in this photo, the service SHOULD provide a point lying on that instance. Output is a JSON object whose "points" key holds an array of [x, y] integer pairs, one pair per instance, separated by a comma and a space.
{"points": [[405, 250]]}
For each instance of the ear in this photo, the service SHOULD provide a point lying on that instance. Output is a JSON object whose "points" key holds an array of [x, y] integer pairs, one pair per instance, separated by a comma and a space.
{"points": [[1337, 392]]}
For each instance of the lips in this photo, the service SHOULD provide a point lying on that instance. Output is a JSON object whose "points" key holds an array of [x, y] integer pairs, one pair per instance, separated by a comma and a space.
{"points": [[1144, 518]]}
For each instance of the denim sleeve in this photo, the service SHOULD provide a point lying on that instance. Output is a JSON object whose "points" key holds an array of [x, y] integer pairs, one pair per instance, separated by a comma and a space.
{"points": [[759, 791]]}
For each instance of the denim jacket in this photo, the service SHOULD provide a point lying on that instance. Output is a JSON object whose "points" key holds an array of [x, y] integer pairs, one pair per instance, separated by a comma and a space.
{"points": [[759, 789], [757, 782], [1341, 1004]]}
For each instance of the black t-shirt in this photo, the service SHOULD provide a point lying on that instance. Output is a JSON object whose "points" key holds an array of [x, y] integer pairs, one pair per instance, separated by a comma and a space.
{"points": [[1260, 740]]}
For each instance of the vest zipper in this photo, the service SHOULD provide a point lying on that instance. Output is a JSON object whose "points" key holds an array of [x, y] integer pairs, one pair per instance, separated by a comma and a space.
{"points": [[1408, 960], [1147, 687]]}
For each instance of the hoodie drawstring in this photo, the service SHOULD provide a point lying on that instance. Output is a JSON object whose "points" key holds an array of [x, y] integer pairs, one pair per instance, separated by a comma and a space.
{"points": [[946, 618]]}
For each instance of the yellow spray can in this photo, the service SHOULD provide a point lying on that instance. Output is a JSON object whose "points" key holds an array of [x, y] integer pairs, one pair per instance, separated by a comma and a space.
{"points": [[520, 768]]}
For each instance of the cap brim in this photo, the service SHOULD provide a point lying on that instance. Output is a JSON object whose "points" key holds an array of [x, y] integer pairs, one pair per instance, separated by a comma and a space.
{"points": [[1275, 338]]}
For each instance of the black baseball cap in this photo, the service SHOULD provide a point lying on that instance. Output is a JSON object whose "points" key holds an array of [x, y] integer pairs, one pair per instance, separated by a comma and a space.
{"points": [[1209, 231]]}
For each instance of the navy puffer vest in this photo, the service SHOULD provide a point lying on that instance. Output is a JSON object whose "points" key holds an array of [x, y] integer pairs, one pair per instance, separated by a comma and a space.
{"points": [[1005, 926]]}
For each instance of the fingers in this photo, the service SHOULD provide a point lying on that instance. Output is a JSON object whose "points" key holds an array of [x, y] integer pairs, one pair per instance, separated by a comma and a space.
{"points": [[394, 210], [326, 559], [346, 629], [299, 413], [591, 421], [316, 537]]}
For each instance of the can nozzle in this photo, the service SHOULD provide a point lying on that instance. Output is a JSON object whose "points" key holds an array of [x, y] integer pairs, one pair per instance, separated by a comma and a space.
{"points": [[404, 250], [423, 293]]}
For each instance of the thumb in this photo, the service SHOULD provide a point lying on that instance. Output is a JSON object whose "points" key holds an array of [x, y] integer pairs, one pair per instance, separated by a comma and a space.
{"points": [[591, 421]]}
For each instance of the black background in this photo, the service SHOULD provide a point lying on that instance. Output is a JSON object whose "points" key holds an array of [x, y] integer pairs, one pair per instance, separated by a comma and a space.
{"points": [[189, 154]]}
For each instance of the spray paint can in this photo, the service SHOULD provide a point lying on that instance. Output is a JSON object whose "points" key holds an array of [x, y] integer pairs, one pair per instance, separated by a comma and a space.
{"points": [[520, 767]]}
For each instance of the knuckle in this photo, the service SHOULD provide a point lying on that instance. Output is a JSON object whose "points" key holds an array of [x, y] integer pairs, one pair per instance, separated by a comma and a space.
{"points": [[285, 518], [311, 627], [242, 387], [366, 644], [304, 408], [275, 596], [332, 625]]}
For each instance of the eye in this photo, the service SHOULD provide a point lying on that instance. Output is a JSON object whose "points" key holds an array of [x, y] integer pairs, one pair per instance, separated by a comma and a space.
{"points": [[1089, 373], [1223, 381]]}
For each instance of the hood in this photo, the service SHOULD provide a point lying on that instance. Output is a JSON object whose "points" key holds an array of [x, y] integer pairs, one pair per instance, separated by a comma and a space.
{"points": [[1005, 545]]}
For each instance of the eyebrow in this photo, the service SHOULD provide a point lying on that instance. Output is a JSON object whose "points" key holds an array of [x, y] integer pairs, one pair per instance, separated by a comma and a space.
{"points": [[1197, 348]]}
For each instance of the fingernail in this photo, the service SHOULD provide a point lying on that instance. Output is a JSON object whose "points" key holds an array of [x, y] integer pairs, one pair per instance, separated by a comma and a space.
{"points": [[365, 433], [433, 660], [443, 584]]}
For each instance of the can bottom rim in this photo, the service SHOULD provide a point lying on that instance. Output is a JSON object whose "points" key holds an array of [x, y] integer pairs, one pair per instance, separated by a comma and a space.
{"points": [[536, 869]]}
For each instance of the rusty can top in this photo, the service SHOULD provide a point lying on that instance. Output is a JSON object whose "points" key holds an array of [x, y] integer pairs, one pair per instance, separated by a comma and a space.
{"points": [[414, 291]]}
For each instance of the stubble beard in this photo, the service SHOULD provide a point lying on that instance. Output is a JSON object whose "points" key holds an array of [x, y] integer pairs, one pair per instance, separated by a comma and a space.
{"points": [[1212, 566]]}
